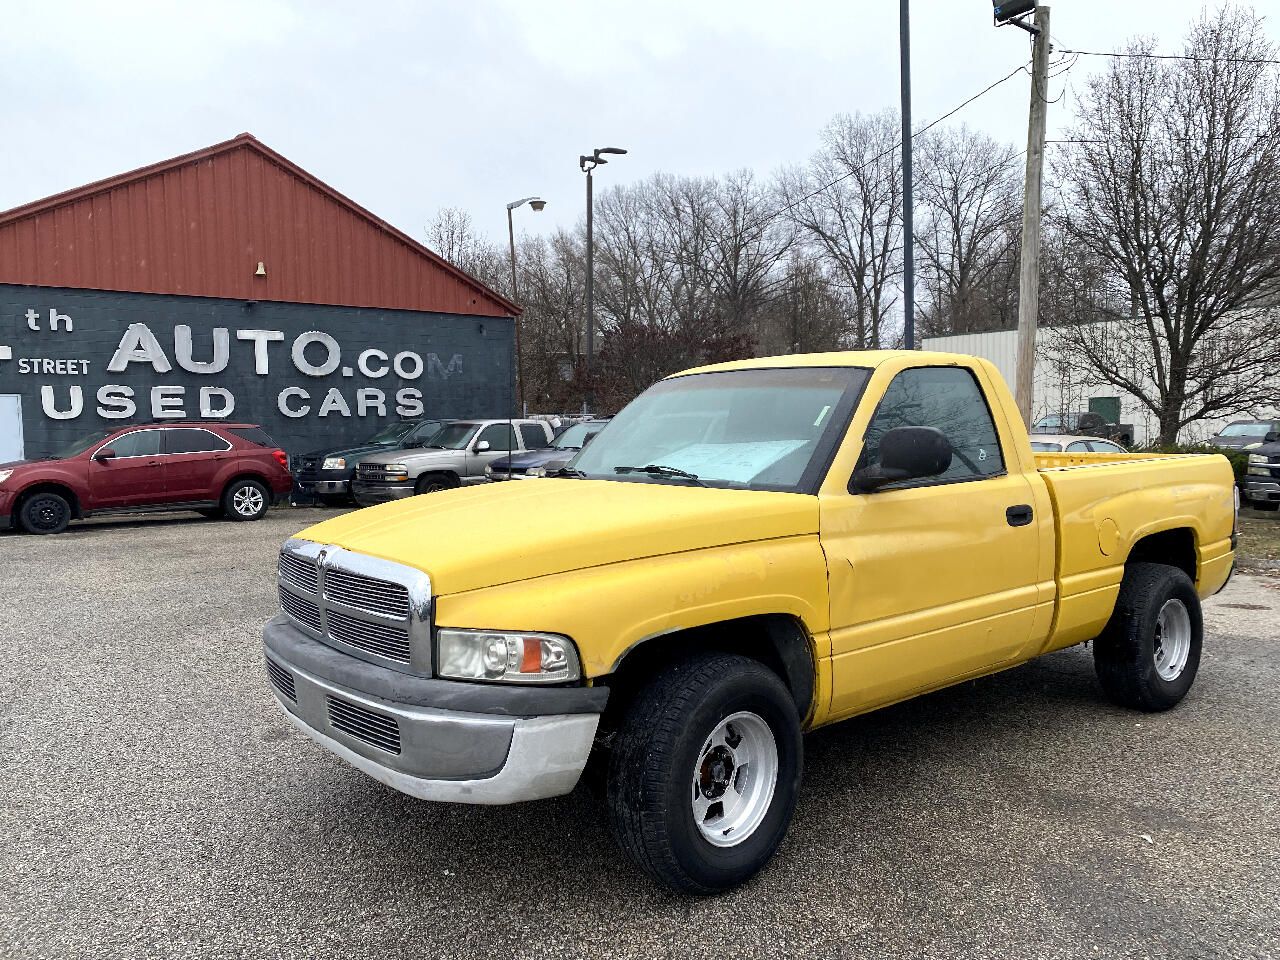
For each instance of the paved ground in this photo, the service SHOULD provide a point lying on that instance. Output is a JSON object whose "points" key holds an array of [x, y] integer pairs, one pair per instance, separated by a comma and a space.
{"points": [[153, 803]]}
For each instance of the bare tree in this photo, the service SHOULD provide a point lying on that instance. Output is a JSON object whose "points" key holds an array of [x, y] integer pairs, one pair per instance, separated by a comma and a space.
{"points": [[1172, 191], [848, 204], [453, 235], [970, 205]]}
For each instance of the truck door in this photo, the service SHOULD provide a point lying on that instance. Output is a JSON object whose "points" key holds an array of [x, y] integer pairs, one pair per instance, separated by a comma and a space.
{"points": [[931, 579], [498, 440]]}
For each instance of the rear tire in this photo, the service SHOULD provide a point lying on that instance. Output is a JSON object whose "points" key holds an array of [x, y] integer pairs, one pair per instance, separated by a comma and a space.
{"points": [[44, 513], [711, 745], [1149, 653], [433, 483], [246, 500]]}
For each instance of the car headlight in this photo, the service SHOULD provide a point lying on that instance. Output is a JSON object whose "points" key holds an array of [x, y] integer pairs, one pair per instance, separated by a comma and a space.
{"points": [[5, 475], [334, 463], [1258, 458], [536, 472], [507, 657], [488, 470]]}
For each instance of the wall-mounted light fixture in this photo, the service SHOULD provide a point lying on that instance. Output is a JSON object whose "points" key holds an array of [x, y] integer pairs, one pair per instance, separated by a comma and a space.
{"points": [[261, 271]]}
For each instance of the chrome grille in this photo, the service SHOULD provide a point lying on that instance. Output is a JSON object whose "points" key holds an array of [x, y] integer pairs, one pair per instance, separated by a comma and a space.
{"points": [[381, 639], [376, 471], [366, 593], [282, 679], [302, 610], [379, 729], [300, 572], [370, 608]]}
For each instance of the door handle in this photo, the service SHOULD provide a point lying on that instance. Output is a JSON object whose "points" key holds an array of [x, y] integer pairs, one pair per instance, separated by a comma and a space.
{"points": [[1020, 515], [154, 463]]}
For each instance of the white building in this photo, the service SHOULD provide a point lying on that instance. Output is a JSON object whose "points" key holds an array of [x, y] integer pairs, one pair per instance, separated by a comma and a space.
{"points": [[1057, 391]]}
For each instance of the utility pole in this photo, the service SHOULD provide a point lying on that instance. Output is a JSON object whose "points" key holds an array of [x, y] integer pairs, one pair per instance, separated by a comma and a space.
{"points": [[537, 203], [908, 203], [1029, 270], [588, 164]]}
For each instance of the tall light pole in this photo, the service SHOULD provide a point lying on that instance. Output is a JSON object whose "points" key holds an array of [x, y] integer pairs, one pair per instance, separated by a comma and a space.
{"points": [[588, 164], [537, 203], [908, 201]]}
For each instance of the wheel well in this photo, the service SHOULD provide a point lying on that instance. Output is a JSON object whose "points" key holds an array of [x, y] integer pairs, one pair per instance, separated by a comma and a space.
{"points": [[58, 488], [244, 476], [778, 641], [448, 474], [1174, 548]]}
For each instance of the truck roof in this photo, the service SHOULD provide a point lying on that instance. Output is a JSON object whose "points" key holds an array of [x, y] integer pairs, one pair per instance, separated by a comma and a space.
{"points": [[839, 358]]}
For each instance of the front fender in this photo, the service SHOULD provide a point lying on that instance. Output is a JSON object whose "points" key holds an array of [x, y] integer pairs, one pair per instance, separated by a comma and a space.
{"points": [[609, 609]]}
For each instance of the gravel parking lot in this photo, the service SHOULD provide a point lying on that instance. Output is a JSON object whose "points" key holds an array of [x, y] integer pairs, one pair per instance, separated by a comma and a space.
{"points": [[154, 803]]}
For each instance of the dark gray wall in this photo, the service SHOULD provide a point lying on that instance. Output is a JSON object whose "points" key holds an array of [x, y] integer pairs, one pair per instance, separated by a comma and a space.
{"points": [[466, 362]]}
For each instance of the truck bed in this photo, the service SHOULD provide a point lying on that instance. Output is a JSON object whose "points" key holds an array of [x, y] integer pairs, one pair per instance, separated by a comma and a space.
{"points": [[1104, 503]]}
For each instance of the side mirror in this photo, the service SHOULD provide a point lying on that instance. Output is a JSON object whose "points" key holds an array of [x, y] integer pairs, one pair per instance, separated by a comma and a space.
{"points": [[1271, 437], [906, 453], [482, 446], [106, 453]]}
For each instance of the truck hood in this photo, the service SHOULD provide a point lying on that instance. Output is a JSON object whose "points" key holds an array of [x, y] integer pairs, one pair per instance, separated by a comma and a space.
{"points": [[355, 451], [485, 535], [412, 455]]}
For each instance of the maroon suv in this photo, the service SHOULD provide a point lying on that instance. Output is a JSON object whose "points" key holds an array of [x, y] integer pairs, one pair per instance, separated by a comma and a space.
{"points": [[220, 469]]}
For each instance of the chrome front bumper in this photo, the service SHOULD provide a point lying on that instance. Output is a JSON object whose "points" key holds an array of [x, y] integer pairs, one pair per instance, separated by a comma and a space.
{"points": [[369, 493], [426, 750]]}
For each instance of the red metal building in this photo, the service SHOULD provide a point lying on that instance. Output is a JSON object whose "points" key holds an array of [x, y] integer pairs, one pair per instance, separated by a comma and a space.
{"points": [[200, 224], [232, 279]]}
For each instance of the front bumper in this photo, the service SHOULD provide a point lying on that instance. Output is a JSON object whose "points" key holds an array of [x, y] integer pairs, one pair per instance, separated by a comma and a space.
{"points": [[370, 493], [434, 739], [324, 486], [1260, 490]]}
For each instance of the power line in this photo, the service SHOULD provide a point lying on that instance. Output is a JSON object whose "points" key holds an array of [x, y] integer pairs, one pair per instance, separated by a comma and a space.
{"points": [[772, 215], [1170, 56]]}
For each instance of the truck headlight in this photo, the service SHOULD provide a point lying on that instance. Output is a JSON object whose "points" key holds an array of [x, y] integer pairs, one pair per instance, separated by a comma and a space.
{"points": [[1258, 458], [334, 463], [396, 471], [5, 475], [507, 657]]}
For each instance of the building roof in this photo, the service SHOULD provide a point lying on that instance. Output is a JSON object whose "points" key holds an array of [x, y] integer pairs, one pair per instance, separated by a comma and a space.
{"points": [[200, 223]]}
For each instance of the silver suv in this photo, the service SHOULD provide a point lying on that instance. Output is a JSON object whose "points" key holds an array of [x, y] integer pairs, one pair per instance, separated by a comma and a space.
{"points": [[457, 455]]}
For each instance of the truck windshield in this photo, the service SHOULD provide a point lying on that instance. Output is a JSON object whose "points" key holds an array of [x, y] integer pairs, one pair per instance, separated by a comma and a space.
{"points": [[768, 429], [1245, 430], [391, 432], [454, 436]]}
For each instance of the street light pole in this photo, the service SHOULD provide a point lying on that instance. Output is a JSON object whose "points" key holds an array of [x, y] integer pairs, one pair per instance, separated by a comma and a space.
{"points": [[537, 204], [588, 164], [908, 203]]}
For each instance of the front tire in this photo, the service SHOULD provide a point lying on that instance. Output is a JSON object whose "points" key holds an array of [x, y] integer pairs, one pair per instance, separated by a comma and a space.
{"points": [[433, 483], [1149, 653], [246, 500], [704, 773], [44, 513]]}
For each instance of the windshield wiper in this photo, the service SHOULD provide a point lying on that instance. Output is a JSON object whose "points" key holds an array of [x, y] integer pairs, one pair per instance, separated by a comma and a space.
{"points": [[658, 470]]}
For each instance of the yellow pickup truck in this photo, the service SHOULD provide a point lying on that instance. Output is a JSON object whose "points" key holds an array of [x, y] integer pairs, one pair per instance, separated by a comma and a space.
{"points": [[746, 552]]}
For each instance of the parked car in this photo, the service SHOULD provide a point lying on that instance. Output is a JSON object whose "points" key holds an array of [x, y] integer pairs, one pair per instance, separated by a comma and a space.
{"points": [[749, 550], [1058, 443], [1261, 485], [1086, 423], [1245, 434], [219, 469], [456, 456], [327, 473], [567, 442]]}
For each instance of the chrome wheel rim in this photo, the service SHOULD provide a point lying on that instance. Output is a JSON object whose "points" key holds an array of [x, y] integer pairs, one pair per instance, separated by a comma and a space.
{"points": [[1173, 639], [734, 779], [247, 501]]}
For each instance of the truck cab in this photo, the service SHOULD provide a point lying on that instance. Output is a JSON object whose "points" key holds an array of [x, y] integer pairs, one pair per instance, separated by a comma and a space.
{"points": [[746, 552]]}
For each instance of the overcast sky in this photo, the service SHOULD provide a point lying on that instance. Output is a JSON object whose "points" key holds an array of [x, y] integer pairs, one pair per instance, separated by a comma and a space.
{"points": [[407, 107]]}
